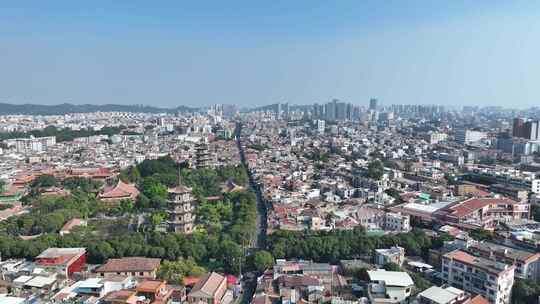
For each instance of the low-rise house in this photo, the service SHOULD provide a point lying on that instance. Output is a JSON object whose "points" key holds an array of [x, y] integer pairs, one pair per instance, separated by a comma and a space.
{"points": [[138, 267], [394, 255], [154, 292], [209, 289], [389, 286], [448, 295], [42, 284], [121, 297], [64, 261]]}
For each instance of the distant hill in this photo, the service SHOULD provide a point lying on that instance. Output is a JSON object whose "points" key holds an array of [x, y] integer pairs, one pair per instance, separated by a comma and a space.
{"points": [[66, 108]]}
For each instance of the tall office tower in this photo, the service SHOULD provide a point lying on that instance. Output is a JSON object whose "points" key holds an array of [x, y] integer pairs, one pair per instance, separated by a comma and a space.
{"points": [[526, 129], [315, 111], [330, 110], [373, 104], [285, 109], [533, 127], [517, 127], [349, 113], [278, 110], [341, 110], [318, 111]]}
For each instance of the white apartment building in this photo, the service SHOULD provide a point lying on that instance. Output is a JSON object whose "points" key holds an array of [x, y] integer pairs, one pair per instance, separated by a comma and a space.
{"points": [[435, 137], [493, 280], [321, 125], [32, 144], [389, 287], [465, 136], [394, 255], [397, 222]]}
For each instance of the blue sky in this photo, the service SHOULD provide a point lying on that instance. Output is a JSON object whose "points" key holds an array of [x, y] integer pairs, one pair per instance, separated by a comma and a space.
{"points": [[171, 53]]}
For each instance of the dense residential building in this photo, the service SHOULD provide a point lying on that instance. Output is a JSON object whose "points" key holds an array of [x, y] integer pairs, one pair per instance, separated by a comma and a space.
{"points": [[493, 280], [32, 144], [527, 263], [388, 172], [397, 222]]}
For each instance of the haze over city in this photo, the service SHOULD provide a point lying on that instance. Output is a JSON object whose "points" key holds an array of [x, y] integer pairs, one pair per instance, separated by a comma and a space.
{"points": [[270, 152], [257, 53]]}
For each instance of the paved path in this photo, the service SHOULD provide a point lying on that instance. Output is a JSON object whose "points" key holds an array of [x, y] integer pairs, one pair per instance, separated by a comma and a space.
{"points": [[260, 238]]}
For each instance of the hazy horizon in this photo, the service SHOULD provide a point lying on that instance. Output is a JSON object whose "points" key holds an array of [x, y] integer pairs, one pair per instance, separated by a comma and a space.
{"points": [[249, 53]]}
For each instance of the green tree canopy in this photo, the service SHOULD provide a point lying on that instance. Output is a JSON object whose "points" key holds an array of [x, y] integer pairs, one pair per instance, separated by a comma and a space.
{"points": [[262, 260], [44, 181], [375, 170], [392, 267], [525, 291], [175, 271]]}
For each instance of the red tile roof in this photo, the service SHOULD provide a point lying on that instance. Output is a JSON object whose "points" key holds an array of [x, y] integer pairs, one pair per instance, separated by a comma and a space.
{"points": [[150, 286], [121, 190], [478, 299], [461, 256], [469, 206], [131, 264], [209, 284]]}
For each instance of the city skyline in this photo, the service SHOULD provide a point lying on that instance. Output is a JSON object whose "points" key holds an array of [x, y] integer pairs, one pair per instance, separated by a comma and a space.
{"points": [[452, 53]]}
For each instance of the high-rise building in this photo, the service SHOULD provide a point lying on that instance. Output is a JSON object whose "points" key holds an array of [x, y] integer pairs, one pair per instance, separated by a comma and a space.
{"points": [[330, 110], [528, 129], [318, 111], [517, 127], [320, 126], [373, 104], [341, 110], [531, 130]]}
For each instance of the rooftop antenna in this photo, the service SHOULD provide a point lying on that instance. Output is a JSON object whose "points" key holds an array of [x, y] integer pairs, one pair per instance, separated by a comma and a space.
{"points": [[179, 176]]}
